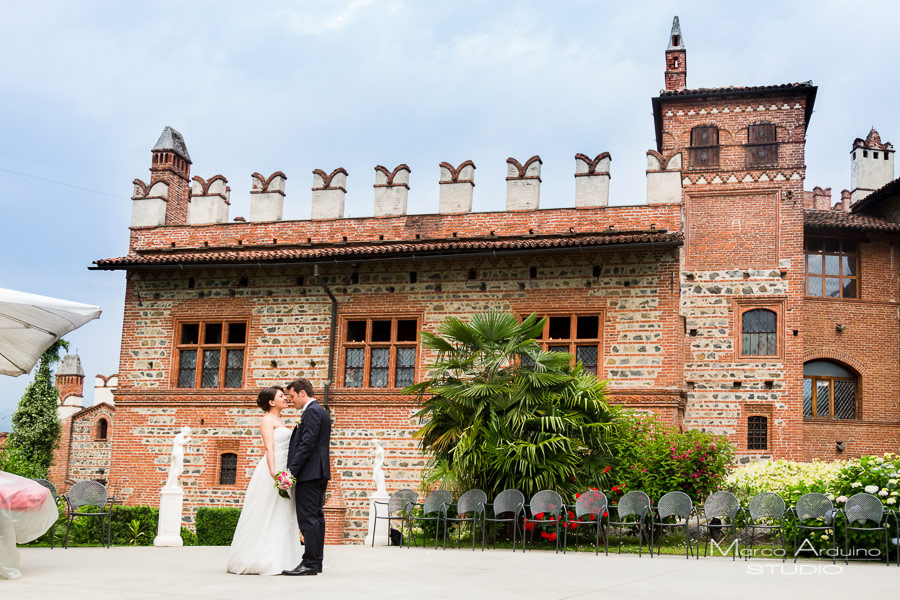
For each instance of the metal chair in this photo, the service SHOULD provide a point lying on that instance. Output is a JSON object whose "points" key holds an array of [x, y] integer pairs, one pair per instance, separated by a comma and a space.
{"points": [[89, 493], [680, 506], [815, 506], [767, 511], [470, 503], [861, 508], [545, 502], [632, 504], [435, 504], [589, 503], [507, 501], [55, 495], [725, 507], [401, 501]]}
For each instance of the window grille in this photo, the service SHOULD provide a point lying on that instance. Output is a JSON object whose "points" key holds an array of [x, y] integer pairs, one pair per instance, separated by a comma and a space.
{"points": [[757, 433], [228, 469]]}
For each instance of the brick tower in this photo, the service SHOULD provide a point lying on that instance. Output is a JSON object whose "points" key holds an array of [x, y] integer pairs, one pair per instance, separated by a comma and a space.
{"points": [[172, 165], [676, 60]]}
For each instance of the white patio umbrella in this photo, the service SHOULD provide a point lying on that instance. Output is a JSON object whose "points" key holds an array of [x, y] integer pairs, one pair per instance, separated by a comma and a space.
{"points": [[29, 324]]}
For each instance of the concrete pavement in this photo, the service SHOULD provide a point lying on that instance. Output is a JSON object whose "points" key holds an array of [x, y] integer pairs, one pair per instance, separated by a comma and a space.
{"points": [[355, 572]]}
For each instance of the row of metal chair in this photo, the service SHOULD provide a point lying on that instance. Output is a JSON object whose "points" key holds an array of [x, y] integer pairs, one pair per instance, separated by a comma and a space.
{"points": [[83, 493], [720, 512]]}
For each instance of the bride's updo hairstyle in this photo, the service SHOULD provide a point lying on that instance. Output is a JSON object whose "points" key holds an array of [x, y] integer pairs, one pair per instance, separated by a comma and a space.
{"points": [[266, 396]]}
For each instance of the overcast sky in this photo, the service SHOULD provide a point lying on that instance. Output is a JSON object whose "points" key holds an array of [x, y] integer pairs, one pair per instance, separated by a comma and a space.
{"points": [[87, 87]]}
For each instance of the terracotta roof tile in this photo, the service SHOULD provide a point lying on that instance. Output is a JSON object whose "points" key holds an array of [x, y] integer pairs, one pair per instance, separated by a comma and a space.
{"points": [[737, 90], [375, 250], [842, 220]]}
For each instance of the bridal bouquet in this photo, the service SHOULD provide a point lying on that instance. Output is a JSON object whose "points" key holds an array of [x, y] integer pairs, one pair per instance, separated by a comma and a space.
{"points": [[283, 482]]}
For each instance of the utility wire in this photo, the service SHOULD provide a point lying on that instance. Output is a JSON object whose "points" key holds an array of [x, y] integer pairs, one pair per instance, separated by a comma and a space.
{"points": [[69, 185]]}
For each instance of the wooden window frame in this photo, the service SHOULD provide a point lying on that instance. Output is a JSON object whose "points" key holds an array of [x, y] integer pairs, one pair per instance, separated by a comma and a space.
{"points": [[744, 305], [223, 346], [572, 342], [368, 345], [830, 379], [694, 150], [821, 275], [752, 146]]}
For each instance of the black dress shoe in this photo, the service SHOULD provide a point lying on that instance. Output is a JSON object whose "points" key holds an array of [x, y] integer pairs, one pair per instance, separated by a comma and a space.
{"points": [[301, 571]]}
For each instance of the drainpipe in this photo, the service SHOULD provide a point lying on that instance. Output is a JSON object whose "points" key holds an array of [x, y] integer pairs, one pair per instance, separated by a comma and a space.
{"points": [[331, 340]]}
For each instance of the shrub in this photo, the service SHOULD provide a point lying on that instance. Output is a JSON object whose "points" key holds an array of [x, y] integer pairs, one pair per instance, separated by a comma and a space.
{"points": [[127, 523], [656, 458], [787, 478], [215, 526], [879, 475]]}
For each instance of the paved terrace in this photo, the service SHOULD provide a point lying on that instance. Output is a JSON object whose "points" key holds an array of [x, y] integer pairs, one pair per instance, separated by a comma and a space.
{"points": [[355, 572]]}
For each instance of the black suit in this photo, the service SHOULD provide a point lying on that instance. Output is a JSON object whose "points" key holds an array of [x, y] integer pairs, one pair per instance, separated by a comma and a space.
{"points": [[308, 461]]}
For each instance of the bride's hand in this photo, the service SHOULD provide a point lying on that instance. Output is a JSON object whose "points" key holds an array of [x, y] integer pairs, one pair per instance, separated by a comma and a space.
{"points": [[274, 474]]}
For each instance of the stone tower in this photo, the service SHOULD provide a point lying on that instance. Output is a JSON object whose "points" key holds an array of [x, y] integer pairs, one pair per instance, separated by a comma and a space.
{"points": [[70, 383], [871, 165], [172, 165], [676, 60]]}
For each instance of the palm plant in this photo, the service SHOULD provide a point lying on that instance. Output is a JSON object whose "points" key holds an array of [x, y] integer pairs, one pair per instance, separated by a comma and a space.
{"points": [[499, 412]]}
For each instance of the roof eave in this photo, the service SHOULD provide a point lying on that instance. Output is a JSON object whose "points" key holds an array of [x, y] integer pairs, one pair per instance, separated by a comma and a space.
{"points": [[358, 259]]}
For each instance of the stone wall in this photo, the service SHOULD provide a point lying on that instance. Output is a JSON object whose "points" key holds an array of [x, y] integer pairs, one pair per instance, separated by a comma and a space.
{"points": [[633, 291]]}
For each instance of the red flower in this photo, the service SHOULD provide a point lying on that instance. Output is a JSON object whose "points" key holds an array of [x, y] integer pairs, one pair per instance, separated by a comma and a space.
{"points": [[605, 514], [607, 470]]}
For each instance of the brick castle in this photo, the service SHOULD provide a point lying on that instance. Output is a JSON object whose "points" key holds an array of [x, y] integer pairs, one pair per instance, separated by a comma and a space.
{"points": [[731, 300]]}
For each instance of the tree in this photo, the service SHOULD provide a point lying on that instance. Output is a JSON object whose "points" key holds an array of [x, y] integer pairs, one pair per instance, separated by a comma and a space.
{"points": [[499, 412], [35, 424]]}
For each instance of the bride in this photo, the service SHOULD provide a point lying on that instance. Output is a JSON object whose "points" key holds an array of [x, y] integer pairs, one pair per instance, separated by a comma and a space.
{"points": [[266, 540]]}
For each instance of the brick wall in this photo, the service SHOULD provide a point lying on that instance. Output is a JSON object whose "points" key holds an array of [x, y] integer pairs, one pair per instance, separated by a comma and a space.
{"points": [[635, 294]]}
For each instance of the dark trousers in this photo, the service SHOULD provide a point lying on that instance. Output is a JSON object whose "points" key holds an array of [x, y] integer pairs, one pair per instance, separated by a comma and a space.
{"points": [[310, 498]]}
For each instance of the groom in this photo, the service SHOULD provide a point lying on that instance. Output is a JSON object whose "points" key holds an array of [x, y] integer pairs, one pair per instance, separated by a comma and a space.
{"points": [[308, 462]]}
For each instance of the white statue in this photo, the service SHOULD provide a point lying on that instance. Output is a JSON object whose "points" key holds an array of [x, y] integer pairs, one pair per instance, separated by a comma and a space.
{"points": [[377, 470], [176, 466]]}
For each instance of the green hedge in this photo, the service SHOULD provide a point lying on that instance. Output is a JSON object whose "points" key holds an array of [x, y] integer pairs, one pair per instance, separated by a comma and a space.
{"points": [[131, 526], [215, 526]]}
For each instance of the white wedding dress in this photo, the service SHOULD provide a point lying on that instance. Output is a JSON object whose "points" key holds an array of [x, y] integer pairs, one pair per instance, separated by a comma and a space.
{"points": [[267, 539]]}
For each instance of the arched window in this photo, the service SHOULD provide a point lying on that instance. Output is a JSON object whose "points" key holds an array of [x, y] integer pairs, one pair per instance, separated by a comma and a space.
{"points": [[705, 147], [102, 429], [829, 390], [762, 149], [759, 332], [757, 433], [228, 468]]}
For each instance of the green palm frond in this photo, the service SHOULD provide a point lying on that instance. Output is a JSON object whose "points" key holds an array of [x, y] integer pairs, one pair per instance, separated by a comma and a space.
{"points": [[498, 411]]}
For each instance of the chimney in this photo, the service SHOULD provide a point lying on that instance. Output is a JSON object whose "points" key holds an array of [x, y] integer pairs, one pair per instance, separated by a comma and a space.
{"points": [[871, 165], [592, 180], [391, 190], [663, 178], [456, 187], [267, 196], [328, 194], [171, 164], [844, 204], [209, 201], [523, 184], [821, 198], [70, 383], [676, 60]]}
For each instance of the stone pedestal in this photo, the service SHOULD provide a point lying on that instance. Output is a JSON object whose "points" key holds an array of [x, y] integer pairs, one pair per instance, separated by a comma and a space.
{"points": [[170, 510], [379, 528]]}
